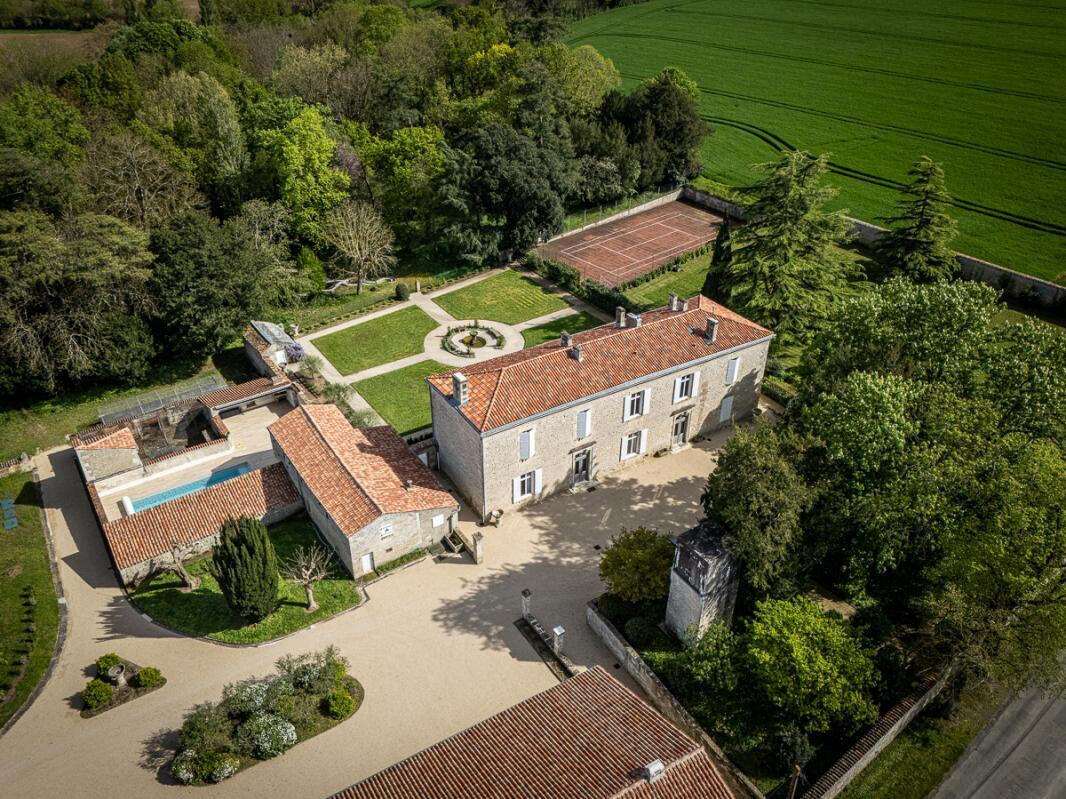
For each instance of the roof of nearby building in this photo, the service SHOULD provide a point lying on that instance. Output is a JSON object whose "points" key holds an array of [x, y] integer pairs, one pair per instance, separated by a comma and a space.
{"points": [[151, 532], [122, 438], [514, 387], [273, 334], [357, 474], [243, 391], [586, 738]]}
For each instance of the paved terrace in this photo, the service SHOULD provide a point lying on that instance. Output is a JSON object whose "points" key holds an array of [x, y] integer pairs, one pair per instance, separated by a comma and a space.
{"points": [[435, 646], [251, 445]]}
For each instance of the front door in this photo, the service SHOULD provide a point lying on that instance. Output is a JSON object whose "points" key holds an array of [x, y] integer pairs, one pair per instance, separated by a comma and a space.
{"points": [[368, 563], [680, 434], [582, 466]]}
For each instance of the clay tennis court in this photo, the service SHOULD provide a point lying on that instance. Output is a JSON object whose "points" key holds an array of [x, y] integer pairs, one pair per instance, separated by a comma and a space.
{"points": [[617, 252]]}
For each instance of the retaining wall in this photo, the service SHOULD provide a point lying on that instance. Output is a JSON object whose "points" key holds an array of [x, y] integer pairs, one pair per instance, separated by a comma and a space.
{"points": [[1013, 283], [662, 199], [666, 702]]}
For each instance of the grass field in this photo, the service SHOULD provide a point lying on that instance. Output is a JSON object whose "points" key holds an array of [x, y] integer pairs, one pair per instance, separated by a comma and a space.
{"points": [[402, 397], [980, 87], [685, 282], [204, 612], [386, 338], [23, 566], [571, 324], [508, 297], [914, 764]]}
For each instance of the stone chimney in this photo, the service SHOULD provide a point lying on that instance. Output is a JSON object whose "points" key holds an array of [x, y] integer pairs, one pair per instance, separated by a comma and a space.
{"points": [[712, 329], [460, 389], [566, 339], [634, 320], [683, 305], [408, 485], [619, 316], [673, 301], [654, 771], [576, 354]]}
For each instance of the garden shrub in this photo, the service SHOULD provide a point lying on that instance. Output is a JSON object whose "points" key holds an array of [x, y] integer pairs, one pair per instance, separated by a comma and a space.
{"points": [[636, 564], [148, 677], [265, 735], [105, 662], [792, 747], [246, 698], [317, 672], [192, 766], [402, 291], [207, 728], [641, 631], [96, 694], [338, 703]]}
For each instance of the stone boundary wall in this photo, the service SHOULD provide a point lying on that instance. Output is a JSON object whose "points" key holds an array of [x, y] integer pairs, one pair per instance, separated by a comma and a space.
{"points": [[20, 464], [1013, 283], [662, 199], [666, 702], [851, 764]]}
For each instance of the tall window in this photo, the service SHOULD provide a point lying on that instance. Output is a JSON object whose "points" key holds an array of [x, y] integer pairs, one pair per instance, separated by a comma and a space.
{"points": [[526, 484], [632, 445], [685, 385], [635, 405]]}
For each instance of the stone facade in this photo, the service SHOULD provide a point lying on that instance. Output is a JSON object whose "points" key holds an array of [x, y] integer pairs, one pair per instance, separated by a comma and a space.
{"points": [[703, 583], [484, 466]]}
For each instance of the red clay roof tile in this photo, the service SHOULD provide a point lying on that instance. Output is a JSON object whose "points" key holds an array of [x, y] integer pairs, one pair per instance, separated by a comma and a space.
{"points": [[586, 738], [242, 391], [516, 386]]}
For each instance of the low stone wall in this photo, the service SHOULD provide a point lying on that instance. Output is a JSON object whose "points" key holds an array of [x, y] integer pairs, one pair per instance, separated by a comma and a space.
{"points": [[666, 702], [1013, 283], [662, 199], [870, 745]]}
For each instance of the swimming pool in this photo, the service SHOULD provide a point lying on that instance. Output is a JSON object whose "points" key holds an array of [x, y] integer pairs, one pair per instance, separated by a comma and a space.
{"points": [[221, 476]]}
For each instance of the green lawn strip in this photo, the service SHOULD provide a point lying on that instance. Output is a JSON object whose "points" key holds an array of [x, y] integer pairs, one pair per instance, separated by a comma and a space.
{"points": [[588, 216], [509, 297], [914, 764], [685, 282], [204, 612], [402, 397], [776, 76], [574, 323], [23, 565], [386, 338]]}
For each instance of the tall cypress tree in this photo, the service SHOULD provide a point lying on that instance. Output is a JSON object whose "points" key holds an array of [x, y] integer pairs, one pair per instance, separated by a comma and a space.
{"points": [[246, 567], [918, 246], [785, 269]]}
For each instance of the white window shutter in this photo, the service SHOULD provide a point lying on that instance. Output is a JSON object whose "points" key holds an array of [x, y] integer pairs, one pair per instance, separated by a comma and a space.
{"points": [[643, 441], [516, 489], [582, 423], [537, 481], [647, 402], [727, 409], [696, 383], [625, 409], [731, 371], [622, 449], [677, 387], [533, 442], [525, 444]]}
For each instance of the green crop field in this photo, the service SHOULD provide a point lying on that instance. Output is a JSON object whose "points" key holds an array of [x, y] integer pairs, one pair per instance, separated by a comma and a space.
{"points": [[979, 86]]}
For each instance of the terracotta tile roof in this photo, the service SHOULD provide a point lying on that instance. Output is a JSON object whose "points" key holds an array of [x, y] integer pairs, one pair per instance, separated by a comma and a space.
{"points": [[513, 387], [106, 439], [357, 475], [150, 533], [586, 738], [242, 391]]}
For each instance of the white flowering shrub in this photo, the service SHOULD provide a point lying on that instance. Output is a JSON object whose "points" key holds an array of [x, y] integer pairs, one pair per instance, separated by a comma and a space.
{"points": [[182, 767], [225, 767], [265, 735], [246, 698]]}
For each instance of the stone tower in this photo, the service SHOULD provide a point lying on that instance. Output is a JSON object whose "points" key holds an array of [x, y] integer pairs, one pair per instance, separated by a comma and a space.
{"points": [[703, 583]]}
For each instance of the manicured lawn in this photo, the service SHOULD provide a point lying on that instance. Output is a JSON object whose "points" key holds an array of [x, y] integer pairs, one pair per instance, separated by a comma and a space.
{"points": [[204, 611], [509, 297], [402, 396], [914, 764], [686, 282], [24, 567], [877, 85], [387, 338], [574, 323]]}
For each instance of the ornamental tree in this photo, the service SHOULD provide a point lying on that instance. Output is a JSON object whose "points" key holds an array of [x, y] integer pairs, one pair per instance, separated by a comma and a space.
{"points": [[636, 564], [919, 245], [361, 240], [246, 567]]}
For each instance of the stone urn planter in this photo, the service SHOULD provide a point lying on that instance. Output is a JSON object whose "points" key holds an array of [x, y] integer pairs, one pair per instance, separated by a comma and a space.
{"points": [[117, 675]]}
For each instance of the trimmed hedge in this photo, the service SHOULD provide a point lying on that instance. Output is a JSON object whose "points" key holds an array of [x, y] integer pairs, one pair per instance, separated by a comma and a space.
{"points": [[591, 291], [96, 694]]}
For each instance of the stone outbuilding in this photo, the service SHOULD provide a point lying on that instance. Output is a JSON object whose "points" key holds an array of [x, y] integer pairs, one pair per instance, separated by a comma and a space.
{"points": [[370, 497], [703, 582]]}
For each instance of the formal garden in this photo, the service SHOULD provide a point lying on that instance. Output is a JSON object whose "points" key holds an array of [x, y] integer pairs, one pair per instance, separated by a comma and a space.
{"points": [[550, 331], [391, 337], [401, 396], [510, 297], [261, 718], [252, 588], [29, 613]]}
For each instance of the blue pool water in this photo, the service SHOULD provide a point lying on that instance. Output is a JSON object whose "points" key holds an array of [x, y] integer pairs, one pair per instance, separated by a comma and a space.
{"points": [[221, 476]]}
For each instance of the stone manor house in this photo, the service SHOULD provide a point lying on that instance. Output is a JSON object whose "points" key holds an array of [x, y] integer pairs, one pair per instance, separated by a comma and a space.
{"points": [[557, 416]]}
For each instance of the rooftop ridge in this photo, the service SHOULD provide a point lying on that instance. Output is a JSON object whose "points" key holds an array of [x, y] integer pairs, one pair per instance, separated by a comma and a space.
{"points": [[333, 454]]}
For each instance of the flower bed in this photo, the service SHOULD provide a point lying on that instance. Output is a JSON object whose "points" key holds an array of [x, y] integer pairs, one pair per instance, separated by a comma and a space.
{"points": [[463, 340], [260, 719], [117, 682]]}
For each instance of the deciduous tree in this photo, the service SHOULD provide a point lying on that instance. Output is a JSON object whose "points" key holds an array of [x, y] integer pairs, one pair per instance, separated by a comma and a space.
{"points": [[306, 567], [362, 241], [636, 564]]}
